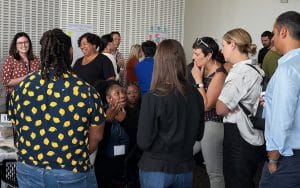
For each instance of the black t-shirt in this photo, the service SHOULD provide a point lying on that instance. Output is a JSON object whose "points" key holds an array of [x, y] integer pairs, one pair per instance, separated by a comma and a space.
{"points": [[100, 68], [130, 124], [261, 54], [191, 79]]}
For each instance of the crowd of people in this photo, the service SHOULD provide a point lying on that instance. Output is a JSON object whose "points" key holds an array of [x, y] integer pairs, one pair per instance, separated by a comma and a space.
{"points": [[111, 122]]}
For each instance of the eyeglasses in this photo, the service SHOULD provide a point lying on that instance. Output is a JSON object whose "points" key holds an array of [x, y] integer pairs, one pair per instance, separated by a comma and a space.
{"points": [[199, 41], [23, 43]]}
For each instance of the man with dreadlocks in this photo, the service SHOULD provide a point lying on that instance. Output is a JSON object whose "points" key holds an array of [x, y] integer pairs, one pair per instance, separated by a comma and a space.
{"points": [[58, 119]]}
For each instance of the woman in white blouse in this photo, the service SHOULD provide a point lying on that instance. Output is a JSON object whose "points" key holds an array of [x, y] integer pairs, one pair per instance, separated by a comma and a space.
{"points": [[243, 146]]}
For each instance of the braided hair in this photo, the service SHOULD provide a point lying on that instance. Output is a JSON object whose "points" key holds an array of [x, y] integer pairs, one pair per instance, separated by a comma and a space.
{"points": [[55, 53]]}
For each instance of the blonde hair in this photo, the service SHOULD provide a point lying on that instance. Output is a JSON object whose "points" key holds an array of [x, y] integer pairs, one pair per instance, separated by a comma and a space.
{"points": [[135, 51], [242, 39]]}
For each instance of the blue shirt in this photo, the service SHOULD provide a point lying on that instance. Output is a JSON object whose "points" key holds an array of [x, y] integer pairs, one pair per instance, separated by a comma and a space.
{"points": [[282, 108], [143, 71]]}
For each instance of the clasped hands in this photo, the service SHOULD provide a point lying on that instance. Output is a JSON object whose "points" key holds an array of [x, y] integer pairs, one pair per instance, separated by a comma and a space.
{"points": [[116, 111]]}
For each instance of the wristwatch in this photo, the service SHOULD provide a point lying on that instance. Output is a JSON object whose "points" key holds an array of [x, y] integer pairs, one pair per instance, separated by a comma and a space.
{"points": [[199, 85], [272, 161]]}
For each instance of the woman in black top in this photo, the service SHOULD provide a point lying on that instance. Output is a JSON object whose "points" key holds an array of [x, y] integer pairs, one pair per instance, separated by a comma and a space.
{"points": [[109, 163], [208, 74], [130, 124], [171, 120], [93, 65]]}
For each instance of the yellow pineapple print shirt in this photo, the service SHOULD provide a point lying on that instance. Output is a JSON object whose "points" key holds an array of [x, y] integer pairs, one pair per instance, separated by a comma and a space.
{"points": [[52, 119]]}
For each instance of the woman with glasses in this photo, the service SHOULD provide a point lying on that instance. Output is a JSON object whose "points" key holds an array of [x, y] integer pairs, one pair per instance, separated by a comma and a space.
{"points": [[243, 146], [207, 74], [20, 63]]}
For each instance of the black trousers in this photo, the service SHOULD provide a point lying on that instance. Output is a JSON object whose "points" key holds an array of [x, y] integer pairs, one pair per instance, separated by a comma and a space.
{"points": [[240, 159]]}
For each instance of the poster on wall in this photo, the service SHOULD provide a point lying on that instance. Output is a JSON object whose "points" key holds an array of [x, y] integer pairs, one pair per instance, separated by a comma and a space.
{"points": [[75, 31], [157, 34]]}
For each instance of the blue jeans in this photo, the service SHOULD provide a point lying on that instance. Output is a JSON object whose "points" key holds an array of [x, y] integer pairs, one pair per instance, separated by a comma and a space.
{"points": [[161, 180], [35, 177]]}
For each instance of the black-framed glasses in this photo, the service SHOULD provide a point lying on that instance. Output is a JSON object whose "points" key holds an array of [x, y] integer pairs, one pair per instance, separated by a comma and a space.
{"points": [[23, 43], [199, 41]]}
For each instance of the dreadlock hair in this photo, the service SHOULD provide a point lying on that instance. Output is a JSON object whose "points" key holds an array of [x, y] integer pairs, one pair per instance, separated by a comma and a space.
{"points": [[55, 53]]}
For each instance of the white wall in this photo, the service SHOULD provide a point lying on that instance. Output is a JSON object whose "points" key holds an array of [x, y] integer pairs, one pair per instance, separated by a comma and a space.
{"points": [[215, 17]]}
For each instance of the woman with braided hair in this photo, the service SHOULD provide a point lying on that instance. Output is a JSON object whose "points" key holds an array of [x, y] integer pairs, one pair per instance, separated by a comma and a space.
{"points": [[58, 119]]}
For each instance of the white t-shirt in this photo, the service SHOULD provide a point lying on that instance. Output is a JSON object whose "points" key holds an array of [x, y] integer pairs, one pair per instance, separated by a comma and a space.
{"points": [[114, 62]]}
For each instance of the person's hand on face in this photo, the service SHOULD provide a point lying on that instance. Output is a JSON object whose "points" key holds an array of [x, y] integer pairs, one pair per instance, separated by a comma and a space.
{"points": [[200, 60], [122, 99], [112, 110], [121, 115], [117, 102], [198, 73]]}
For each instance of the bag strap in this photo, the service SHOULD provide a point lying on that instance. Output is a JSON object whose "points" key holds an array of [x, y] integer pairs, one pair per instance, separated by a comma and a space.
{"points": [[252, 66], [247, 112]]}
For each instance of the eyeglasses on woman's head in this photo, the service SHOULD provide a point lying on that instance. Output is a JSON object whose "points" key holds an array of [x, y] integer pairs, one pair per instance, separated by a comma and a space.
{"points": [[199, 41]]}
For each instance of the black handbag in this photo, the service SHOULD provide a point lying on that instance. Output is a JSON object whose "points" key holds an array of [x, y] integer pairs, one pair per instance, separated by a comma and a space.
{"points": [[258, 121]]}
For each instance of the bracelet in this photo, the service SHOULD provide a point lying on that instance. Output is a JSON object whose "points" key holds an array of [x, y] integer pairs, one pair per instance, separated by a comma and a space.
{"points": [[273, 161], [200, 85]]}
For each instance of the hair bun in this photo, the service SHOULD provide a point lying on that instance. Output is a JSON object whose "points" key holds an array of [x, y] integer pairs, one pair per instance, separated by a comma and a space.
{"points": [[252, 49]]}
